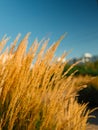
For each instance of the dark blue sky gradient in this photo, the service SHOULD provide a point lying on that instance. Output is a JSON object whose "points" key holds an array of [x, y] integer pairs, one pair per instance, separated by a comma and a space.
{"points": [[52, 18]]}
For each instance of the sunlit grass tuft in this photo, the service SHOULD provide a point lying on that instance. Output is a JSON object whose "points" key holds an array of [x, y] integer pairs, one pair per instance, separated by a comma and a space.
{"points": [[35, 94]]}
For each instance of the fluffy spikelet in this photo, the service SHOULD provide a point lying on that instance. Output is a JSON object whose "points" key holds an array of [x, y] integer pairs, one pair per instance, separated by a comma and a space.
{"points": [[12, 49], [34, 92], [3, 42]]}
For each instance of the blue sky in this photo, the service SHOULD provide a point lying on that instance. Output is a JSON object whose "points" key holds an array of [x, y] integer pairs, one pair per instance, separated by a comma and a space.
{"points": [[52, 18]]}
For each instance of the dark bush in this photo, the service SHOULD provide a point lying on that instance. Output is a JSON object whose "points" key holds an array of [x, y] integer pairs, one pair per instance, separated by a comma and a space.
{"points": [[89, 95]]}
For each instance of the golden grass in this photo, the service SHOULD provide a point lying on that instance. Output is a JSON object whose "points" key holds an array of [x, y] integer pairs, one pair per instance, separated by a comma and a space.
{"points": [[94, 82], [38, 97]]}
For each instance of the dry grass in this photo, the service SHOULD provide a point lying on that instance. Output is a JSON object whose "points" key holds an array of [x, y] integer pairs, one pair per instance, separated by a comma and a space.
{"points": [[94, 82], [38, 97]]}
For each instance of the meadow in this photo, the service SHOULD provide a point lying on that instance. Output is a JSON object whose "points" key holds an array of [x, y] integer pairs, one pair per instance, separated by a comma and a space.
{"points": [[35, 92]]}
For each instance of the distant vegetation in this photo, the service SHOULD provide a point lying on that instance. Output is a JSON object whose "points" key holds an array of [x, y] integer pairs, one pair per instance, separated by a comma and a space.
{"points": [[90, 68], [90, 93]]}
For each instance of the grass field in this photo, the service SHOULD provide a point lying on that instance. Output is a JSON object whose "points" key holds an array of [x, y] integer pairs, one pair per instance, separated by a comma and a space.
{"points": [[35, 94]]}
